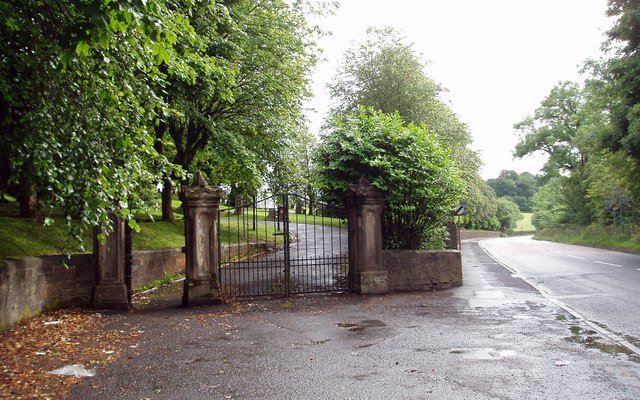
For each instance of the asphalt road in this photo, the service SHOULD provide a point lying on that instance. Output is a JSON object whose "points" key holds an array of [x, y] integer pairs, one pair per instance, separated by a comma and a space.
{"points": [[601, 285], [495, 337]]}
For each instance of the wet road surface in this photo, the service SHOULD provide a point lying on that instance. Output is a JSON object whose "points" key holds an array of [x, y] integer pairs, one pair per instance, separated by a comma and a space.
{"points": [[495, 337], [602, 286]]}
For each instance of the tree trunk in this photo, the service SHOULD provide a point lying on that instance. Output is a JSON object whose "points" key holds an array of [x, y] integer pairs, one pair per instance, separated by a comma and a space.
{"points": [[298, 207], [28, 201], [167, 185], [167, 197], [239, 204]]}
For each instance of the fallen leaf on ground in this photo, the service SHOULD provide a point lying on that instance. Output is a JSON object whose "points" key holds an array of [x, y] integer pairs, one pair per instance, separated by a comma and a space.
{"points": [[51, 341]]}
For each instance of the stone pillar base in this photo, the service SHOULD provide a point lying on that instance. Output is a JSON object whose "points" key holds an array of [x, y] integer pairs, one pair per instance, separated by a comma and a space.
{"points": [[201, 292], [372, 282], [112, 297]]}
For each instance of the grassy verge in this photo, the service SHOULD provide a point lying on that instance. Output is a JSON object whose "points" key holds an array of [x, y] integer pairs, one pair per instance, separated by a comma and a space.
{"points": [[21, 237], [24, 237], [159, 235], [261, 215], [595, 236], [167, 279], [525, 223]]}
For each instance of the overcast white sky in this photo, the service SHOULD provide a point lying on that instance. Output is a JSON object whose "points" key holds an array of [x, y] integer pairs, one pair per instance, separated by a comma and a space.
{"points": [[497, 58]]}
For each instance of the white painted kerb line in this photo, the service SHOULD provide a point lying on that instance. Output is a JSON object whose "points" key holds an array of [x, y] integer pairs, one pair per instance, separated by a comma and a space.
{"points": [[606, 263], [617, 339]]}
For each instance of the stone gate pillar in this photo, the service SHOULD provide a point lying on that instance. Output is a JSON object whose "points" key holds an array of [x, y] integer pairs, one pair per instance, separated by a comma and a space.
{"points": [[201, 203], [110, 290], [367, 274], [453, 242]]}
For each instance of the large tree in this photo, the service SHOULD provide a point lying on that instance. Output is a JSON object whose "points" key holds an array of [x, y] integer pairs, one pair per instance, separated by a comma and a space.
{"points": [[96, 94], [386, 73], [519, 188], [616, 95], [77, 94], [553, 129], [623, 70], [563, 128], [242, 103], [550, 210], [485, 208], [591, 133]]}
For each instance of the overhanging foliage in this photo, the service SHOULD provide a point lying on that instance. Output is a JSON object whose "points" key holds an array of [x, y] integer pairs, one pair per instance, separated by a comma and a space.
{"points": [[406, 162]]}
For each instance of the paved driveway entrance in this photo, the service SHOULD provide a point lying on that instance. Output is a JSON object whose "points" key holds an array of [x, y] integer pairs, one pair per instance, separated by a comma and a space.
{"points": [[275, 250]]}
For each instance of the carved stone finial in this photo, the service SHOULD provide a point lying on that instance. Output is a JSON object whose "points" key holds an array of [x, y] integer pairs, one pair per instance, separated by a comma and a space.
{"points": [[200, 181], [201, 191], [363, 189], [364, 181]]}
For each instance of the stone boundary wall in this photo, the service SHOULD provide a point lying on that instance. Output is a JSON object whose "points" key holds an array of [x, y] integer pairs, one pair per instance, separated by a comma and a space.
{"points": [[422, 270], [466, 235], [33, 284], [149, 265], [239, 250]]}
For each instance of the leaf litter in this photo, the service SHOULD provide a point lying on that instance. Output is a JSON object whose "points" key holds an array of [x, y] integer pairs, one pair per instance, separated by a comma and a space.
{"points": [[69, 341]]}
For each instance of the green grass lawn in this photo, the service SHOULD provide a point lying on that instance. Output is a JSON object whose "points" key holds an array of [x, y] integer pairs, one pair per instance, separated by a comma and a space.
{"points": [[525, 225], [24, 237], [595, 236]]}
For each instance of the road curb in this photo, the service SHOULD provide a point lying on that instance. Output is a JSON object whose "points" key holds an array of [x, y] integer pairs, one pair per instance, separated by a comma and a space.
{"points": [[599, 329]]}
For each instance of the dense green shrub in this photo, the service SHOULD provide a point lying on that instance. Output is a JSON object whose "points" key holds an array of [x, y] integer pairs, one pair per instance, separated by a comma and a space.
{"points": [[508, 214], [406, 162]]}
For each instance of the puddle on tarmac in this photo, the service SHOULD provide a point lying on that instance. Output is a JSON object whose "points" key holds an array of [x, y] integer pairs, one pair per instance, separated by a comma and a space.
{"points": [[591, 340], [485, 353], [369, 323], [488, 294], [631, 339], [634, 341], [350, 326], [372, 323]]}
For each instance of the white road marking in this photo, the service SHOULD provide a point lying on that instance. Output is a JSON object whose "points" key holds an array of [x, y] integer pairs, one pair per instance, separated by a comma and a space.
{"points": [[606, 263], [617, 339], [579, 258]]}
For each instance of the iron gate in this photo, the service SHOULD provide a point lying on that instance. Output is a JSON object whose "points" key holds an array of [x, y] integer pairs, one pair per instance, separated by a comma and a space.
{"points": [[281, 246]]}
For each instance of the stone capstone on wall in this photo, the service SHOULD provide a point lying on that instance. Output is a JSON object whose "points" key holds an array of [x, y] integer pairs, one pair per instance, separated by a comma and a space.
{"points": [[422, 270]]}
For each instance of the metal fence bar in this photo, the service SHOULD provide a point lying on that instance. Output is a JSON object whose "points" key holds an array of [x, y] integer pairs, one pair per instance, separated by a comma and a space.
{"points": [[254, 264]]}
